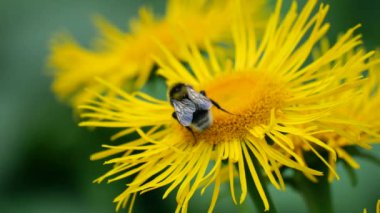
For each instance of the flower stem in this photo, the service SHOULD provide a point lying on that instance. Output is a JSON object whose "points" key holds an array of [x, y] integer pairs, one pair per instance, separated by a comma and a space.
{"points": [[316, 195], [254, 194]]}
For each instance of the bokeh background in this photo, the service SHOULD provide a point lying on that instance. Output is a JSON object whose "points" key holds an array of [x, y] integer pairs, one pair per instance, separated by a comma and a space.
{"points": [[44, 156]]}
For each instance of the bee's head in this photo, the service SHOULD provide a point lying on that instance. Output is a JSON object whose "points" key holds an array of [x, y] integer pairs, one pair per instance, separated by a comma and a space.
{"points": [[178, 91]]}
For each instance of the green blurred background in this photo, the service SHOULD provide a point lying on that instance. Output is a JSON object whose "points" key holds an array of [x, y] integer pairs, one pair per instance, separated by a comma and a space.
{"points": [[44, 156]]}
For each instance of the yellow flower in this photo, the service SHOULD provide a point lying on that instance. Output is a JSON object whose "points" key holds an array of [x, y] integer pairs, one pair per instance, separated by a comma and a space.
{"points": [[363, 113], [355, 123], [125, 58], [274, 90]]}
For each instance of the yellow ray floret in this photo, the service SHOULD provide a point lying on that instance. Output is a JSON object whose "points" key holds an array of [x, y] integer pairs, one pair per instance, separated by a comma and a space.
{"points": [[277, 95], [356, 123], [125, 58]]}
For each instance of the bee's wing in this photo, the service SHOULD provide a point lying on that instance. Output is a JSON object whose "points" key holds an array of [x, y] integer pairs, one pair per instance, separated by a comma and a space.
{"points": [[184, 110], [200, 100]]}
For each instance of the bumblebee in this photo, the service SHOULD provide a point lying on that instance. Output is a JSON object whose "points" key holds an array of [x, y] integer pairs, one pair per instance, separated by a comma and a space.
{"points": [[192, 108]]}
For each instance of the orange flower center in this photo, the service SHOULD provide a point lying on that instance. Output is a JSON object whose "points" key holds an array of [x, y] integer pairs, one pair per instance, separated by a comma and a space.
{"points": [[249, 96]]}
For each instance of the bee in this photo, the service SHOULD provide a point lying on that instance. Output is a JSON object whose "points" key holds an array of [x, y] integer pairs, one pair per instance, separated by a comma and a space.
{"points": [[192, 108]]}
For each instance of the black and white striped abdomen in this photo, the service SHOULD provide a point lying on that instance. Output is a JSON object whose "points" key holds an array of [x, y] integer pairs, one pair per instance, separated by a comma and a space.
{"points": [[202, 119]]}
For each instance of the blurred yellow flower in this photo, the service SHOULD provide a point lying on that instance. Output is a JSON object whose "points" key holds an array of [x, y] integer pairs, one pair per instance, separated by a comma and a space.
{"points": [[274, 90], [364, 114], [124, 58], [355, 123]]}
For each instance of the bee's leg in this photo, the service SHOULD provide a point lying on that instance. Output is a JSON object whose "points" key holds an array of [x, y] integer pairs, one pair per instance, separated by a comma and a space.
{"points": [[219, 107], [215, 104], [192, 132], [174, 115]]}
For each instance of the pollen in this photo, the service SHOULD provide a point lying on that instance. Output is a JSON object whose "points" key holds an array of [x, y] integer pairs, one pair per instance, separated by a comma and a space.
{"points": [[249, 96]]}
